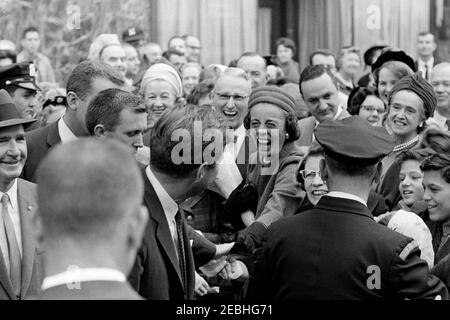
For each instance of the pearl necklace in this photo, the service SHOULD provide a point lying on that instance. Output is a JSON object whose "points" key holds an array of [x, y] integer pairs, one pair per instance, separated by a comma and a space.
{"points": [[406, 145]]}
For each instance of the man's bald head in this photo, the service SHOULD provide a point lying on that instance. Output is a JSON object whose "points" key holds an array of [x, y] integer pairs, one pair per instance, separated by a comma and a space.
{"points": [[90, 193], [255, 66], [440, 80]]}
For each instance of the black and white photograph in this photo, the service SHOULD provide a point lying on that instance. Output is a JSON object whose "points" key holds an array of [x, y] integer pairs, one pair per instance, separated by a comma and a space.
{"points": [[224, 156]]}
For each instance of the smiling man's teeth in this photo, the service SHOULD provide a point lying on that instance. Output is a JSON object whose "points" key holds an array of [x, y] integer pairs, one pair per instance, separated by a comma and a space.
{"points": [[319, 192], [400, 123], [230, 113], [407, 192]]}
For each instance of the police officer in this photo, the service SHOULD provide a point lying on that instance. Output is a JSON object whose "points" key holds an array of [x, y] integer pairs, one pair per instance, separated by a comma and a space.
{"points": [[20, 82], [336, 250]]}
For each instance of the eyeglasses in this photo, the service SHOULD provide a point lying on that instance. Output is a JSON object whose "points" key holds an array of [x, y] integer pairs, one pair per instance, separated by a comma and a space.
{"points": [[372, 109], [227, 97], [310, 174]]}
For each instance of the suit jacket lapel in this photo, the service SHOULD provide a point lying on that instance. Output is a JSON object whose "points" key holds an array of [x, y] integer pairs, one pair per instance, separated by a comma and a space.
{"points": [[5, 280], [53, 134], [163, 235], [27, 205]]}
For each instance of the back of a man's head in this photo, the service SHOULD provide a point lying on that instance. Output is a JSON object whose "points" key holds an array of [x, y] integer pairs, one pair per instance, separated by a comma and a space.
{"points": [[86, 190], [184, 138], [81, 79]]}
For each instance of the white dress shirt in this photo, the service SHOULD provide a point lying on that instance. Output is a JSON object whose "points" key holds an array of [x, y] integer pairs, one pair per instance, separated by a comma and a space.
{"points": [[439, 121], [422, 66], [65, 133], [75, 275], [13, 209], [170, 207], [345, 195]]}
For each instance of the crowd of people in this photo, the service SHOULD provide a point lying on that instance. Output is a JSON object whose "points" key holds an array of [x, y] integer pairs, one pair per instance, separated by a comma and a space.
{"points": [[148, 175]]}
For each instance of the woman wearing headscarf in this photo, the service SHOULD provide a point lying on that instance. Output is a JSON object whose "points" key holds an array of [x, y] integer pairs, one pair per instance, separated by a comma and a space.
{"points": [[161, 88], [411, 102]]}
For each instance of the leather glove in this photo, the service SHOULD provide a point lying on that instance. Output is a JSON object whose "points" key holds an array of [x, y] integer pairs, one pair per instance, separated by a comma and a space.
{"points": [[243, 198], [249, 239]]}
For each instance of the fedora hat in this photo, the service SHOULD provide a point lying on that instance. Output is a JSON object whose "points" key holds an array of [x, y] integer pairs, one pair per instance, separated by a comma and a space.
{"points": [[9, 116]]}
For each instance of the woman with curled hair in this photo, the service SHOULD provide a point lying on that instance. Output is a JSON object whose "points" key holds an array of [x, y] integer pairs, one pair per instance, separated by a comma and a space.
{"points": [[285, 51], [365, 103], [348, 66], [388, 75]]}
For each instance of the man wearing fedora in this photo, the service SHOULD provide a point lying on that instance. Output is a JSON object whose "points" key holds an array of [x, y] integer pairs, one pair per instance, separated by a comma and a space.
{"points": [[21, 271]]}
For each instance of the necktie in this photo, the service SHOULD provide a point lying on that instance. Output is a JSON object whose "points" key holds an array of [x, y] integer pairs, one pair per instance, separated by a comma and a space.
{"points": [[179, 219], [15, 264], [426, 72], [448, 124]]}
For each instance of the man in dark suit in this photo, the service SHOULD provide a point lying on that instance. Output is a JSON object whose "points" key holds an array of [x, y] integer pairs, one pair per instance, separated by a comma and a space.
{"points": [[336, 250], [319, 89], [426, 46], [86, 80], [91, 223], [164, 267], [21, 269]]}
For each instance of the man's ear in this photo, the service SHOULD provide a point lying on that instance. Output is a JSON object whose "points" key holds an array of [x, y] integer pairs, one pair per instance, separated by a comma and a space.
{"points": [[72, 100], [201, 171], [100, 131], [137, 224], [323, 169]]}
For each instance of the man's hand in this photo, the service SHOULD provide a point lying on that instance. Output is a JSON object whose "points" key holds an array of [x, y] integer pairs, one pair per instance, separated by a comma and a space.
{"points": [[249, 239], [235, 270], [202, 287]]}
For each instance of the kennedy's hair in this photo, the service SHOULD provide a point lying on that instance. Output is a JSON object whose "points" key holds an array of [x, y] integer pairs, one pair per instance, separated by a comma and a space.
{"points": [[165, 137]]}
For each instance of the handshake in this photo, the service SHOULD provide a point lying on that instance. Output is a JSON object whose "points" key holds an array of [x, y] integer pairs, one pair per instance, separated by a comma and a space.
{"points": [[224, 265]]}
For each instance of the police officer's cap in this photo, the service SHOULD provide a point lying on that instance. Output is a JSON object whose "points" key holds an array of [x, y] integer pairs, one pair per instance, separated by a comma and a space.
{"points": [[19, 74], [354, 140], [132, 35]]}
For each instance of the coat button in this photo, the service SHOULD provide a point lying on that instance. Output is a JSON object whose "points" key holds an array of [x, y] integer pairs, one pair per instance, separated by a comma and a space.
{"points": [[189, 217]]}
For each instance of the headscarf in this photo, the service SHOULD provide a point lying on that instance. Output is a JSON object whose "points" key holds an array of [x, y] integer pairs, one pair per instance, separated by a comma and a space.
{"points": [[165, 72], [417, 84]]}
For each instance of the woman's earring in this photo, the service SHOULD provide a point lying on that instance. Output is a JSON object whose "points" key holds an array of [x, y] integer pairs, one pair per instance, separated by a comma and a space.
{"points": [[287, 135]]}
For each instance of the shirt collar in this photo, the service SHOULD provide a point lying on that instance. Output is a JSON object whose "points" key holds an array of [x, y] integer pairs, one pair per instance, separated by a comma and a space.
{"points": [[76, 275], [169, 205], [65, 133], [337, 115], [345, 195], [440, 119], [12, 194], [430, 63]]}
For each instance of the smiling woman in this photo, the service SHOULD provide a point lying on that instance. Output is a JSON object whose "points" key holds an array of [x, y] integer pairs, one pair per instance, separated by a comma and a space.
{"points": [[411, 102]]}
